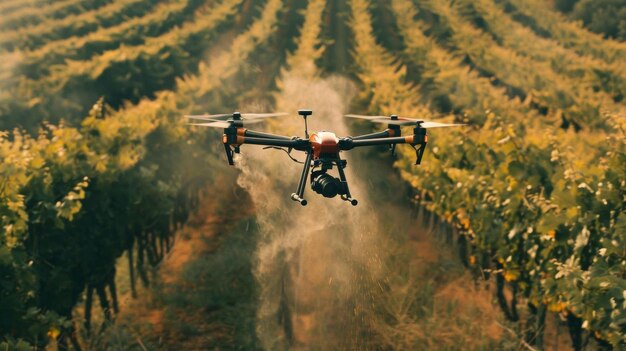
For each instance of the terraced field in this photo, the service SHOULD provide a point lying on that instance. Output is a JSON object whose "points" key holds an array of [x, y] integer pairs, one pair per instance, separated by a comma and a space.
{"points": [[99, 167]]}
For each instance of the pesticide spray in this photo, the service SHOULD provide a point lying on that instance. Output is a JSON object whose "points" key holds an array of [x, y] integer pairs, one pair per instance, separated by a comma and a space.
{"points": [[323, 271]]}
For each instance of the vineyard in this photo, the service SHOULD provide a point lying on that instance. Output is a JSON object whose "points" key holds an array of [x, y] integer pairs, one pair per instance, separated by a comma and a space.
{"points": [[100, 174]]}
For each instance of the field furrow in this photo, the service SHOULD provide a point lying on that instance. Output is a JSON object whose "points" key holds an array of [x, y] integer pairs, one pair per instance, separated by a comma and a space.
{"points": [[483, 181], [33, 37], [9, 6], [450, 84], [570, 34], [29, 16], [128, 73], [160, 20], [301, 63], [101, 175], [534, 82], [394, 95], [609, 77]]}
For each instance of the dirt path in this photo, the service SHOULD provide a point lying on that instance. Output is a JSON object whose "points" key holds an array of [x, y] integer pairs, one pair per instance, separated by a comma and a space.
{"points": [[444, 307], [199, 278], [333, 276]]}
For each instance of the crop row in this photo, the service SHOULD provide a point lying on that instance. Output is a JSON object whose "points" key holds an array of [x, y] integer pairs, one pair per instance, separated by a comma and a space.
{"points": [[88, 190], [127, 73], [533, 81], [309, 49], [9, 6], [32, 37], [610, 77], [537, 217], [160, 20], [569, 34], [28, 16]]}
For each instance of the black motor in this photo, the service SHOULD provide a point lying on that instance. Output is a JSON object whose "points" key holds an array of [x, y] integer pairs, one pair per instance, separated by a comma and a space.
{"points": [[326, 185]]}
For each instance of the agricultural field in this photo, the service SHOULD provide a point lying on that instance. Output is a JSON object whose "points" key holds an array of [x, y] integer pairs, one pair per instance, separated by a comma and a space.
{"points": [[124, 228]]}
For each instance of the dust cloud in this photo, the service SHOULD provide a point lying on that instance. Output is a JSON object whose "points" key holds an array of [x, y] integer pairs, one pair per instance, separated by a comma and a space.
{"points": [[322, 270]]}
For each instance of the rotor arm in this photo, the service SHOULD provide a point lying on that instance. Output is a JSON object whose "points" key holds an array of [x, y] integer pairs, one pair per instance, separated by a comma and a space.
{"points": [[251, 133], [417, 141], [296, 143], [350, 143], [387, 133]]}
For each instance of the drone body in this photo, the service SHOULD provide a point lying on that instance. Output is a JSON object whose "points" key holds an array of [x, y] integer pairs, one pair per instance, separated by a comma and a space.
{"points": [[322, 148]]}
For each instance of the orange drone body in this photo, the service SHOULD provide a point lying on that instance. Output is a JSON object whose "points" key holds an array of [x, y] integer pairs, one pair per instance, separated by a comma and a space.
{"points": [[324, 144]]}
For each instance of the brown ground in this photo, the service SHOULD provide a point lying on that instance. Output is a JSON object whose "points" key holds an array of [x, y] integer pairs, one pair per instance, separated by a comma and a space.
{"points": [[456, 294], [145, 317]]}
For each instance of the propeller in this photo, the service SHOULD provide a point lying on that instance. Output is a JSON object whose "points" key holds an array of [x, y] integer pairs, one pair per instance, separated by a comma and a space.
{"points": [[213, 124], [421, 123], [405, 121], [237, 116], [366, 117], [229, 122]]}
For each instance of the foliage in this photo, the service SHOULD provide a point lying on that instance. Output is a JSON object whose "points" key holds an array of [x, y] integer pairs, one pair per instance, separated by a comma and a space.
{"points": [[602, 76], [570, 34], [77, 198], [536, 185], [127, 73], [80, 24], [30, 15], [575, 103], [537, 216], [565, 5], [607, 17]]}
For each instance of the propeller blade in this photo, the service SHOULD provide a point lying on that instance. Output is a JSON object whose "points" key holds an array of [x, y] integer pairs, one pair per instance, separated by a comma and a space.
{"points": [[223, 116], [246, 121], [263, 115], [412, 122], [226, 116], [383, 119], [398, 122], [405, 121], [218, 124], [429, 124], [209, 120], [366, 117]]}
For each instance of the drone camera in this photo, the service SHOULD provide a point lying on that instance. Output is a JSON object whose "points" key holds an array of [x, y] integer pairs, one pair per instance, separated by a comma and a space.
{"points": [[327, 185]]}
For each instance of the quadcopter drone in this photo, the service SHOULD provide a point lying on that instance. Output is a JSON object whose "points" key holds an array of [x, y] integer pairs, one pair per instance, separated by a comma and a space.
{"points": [[322, 148]]}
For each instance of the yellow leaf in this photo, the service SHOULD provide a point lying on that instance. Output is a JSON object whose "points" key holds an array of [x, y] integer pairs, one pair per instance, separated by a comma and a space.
{"points": [[53, 333], [557, 306], [465, 223], [572, 212], [511, 276]]}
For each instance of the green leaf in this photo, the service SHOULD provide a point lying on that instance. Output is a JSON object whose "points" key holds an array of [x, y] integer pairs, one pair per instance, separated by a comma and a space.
{"points": [[516, 169]]}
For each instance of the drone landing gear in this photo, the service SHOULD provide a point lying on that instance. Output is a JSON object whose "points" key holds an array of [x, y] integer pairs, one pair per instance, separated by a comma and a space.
{"points": [[229, 154], [344, 181], [419, 152], [297, 196], [322, 183]]}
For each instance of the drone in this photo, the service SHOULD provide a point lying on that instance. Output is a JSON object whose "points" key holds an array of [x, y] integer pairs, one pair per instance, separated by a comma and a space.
{"points": [[322, 148]]}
